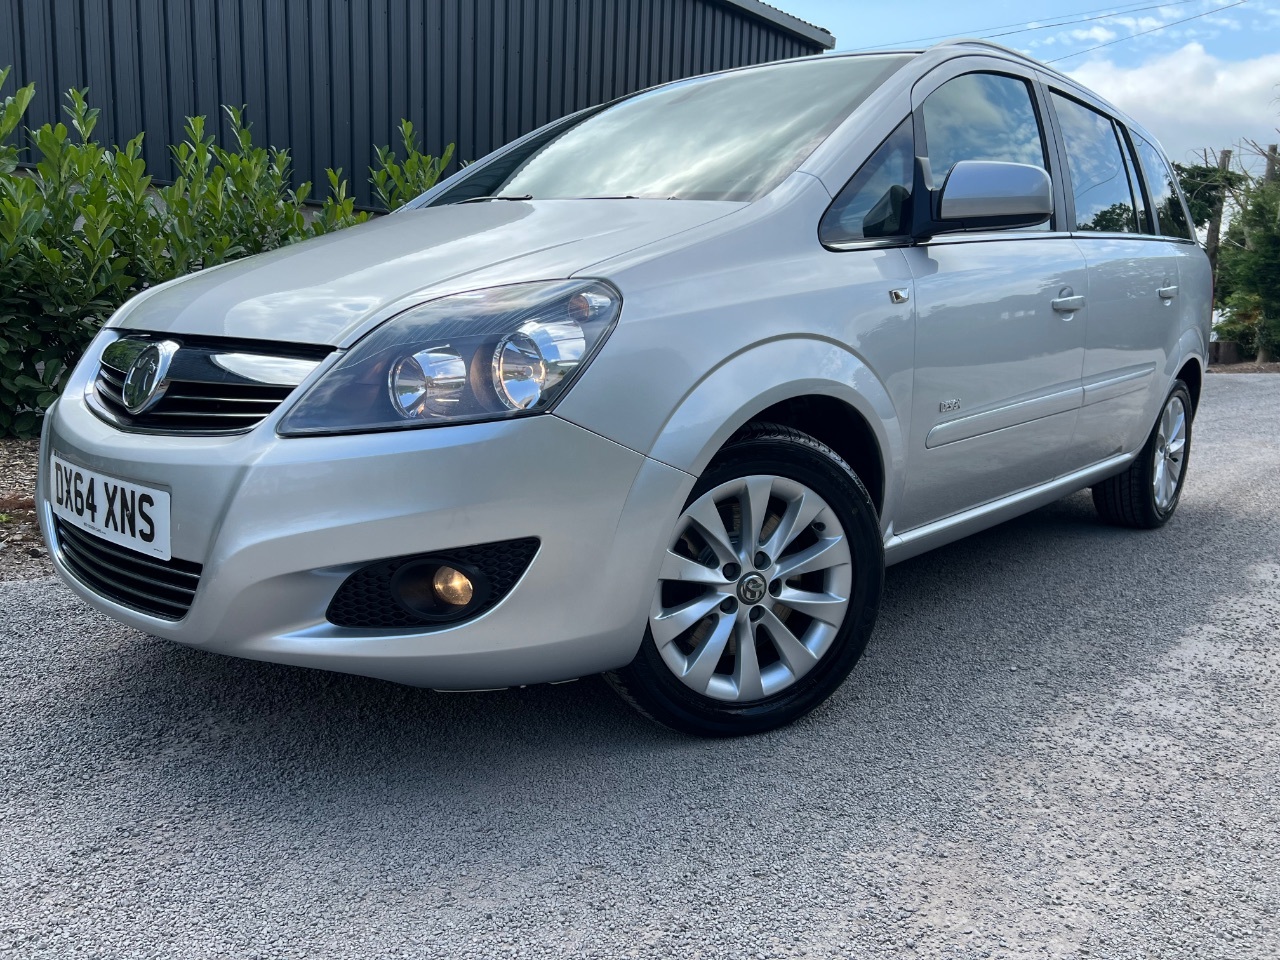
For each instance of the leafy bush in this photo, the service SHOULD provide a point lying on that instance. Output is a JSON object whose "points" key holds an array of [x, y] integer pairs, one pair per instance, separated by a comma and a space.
{"points": [[1240, 320], [1248, 280], [395, 184], [11, 112], [86, 229]]}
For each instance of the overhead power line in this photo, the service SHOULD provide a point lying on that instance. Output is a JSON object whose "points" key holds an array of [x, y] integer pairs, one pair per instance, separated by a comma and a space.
{"points": [[1105, 16], [1143, 33], [1028, 25]]}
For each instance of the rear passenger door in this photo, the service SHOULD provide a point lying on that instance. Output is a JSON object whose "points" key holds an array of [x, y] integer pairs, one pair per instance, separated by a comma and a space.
{"points": [[999, 333], [1132, 326]]}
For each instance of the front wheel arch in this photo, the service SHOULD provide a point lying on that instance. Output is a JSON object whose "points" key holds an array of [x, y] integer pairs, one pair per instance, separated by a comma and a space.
{"points": [[815, 386]]}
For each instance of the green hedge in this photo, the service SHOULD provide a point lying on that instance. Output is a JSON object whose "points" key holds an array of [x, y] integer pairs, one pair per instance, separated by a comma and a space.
{"points": [[84, 230]]}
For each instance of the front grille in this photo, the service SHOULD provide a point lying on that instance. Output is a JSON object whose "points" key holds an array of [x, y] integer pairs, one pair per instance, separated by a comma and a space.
{"points": [[194, 407], [365, 600], [162, 588], [204, 394]]}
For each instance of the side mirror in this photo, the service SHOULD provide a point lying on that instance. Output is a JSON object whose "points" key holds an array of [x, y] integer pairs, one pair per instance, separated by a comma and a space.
{"points": [[990, 195], [986, 189]]}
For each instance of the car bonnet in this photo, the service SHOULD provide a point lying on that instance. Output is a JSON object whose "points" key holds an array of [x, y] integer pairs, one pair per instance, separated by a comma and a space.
{"points": [[333, 289]]}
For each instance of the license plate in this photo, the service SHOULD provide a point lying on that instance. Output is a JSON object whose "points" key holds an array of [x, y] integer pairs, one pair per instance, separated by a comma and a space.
{"points": [[125, 513]]}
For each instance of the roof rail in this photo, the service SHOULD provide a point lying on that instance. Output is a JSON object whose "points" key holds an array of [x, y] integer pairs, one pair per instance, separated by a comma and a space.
{"points": [[1033, 62], [999, 48]]}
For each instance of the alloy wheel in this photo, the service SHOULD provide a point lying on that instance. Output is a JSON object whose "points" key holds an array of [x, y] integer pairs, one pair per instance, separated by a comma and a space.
{"points": [[753, 588], [1169, 455]]}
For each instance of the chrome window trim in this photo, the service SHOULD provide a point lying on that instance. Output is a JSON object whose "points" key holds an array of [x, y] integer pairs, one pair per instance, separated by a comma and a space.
{"points": [[1085, 234], [878, 243], [984, 236], [994, 236]]}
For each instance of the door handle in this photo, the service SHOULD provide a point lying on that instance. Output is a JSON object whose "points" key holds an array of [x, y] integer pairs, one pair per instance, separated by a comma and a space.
{"points": [[1068, 304], [1168, 293]]}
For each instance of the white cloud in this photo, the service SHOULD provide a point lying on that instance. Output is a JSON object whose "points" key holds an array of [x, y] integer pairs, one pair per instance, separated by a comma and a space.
{"points": [[1096, 34], [1144, 31], [1191, 100], [1137, 24]]}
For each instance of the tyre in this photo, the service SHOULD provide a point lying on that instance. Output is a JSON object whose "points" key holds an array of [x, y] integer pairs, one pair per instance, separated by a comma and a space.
{"points": [[767, 593], [1147, 493]]}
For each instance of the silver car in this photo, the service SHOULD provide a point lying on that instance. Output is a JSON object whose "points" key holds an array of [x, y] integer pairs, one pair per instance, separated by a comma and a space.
{"points": [[656, 391]]}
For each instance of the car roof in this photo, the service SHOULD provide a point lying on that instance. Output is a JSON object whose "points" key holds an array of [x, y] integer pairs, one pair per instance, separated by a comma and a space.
{"points": [[928, 57]]}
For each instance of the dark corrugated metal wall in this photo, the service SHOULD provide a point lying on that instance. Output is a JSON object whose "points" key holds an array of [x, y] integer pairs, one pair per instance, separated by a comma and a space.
{"points": [[330, 78]]}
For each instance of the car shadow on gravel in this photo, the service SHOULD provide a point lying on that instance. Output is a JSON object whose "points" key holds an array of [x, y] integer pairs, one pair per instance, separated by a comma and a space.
{"points": [[978, 642]]}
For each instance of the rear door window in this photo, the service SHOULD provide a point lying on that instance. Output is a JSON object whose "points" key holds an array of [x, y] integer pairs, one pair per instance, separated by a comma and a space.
{"points": [[1171, 218], [1099, 180]]}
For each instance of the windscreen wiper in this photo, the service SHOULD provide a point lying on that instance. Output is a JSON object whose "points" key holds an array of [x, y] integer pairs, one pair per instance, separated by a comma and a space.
{"points": [[499, 196]]}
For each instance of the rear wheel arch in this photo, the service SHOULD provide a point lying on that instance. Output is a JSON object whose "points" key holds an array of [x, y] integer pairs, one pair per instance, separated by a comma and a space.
{"points": [[1146, 493], [1193, 376]]}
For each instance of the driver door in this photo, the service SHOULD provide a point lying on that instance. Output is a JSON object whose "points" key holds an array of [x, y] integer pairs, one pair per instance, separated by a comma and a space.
{"points": [[1000, 315]]}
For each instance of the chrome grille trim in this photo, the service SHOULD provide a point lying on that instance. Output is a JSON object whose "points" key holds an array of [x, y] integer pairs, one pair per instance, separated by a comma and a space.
{"points": [[203, 393]]}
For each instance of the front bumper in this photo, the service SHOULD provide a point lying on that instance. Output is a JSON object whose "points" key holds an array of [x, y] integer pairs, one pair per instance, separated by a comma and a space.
{"points": [[279, 523]]}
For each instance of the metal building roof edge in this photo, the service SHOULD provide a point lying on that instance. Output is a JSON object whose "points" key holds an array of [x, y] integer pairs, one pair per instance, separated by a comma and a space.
{"points": [[792, 24]]}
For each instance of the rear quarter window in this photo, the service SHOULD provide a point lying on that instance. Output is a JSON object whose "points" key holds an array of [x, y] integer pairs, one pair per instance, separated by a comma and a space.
{"points": [[1171, 218]]}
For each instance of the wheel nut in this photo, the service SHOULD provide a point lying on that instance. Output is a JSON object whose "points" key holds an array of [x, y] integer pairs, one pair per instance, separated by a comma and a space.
{"points": [[762, 560], [775, 588], [729, 605], [731, 571], [756, 613]]}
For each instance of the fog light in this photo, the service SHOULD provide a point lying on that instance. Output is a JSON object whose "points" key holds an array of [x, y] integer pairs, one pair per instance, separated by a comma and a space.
{"points": [[439, 589], [453, 586]]}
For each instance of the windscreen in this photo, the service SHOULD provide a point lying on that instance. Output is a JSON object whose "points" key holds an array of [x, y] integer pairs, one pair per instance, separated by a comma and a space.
{"points": [[730, 136]]}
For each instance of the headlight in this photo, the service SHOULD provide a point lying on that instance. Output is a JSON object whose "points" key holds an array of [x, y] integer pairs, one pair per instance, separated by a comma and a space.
{"points": [[490, 354], [429, 382]]}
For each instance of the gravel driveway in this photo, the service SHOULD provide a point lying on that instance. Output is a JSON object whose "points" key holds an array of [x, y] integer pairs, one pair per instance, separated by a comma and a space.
{"points": [[1064, 741]]}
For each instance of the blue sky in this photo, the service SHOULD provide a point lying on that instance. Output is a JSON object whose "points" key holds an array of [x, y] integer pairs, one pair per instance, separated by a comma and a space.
{"points": [[1206, 83]]}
